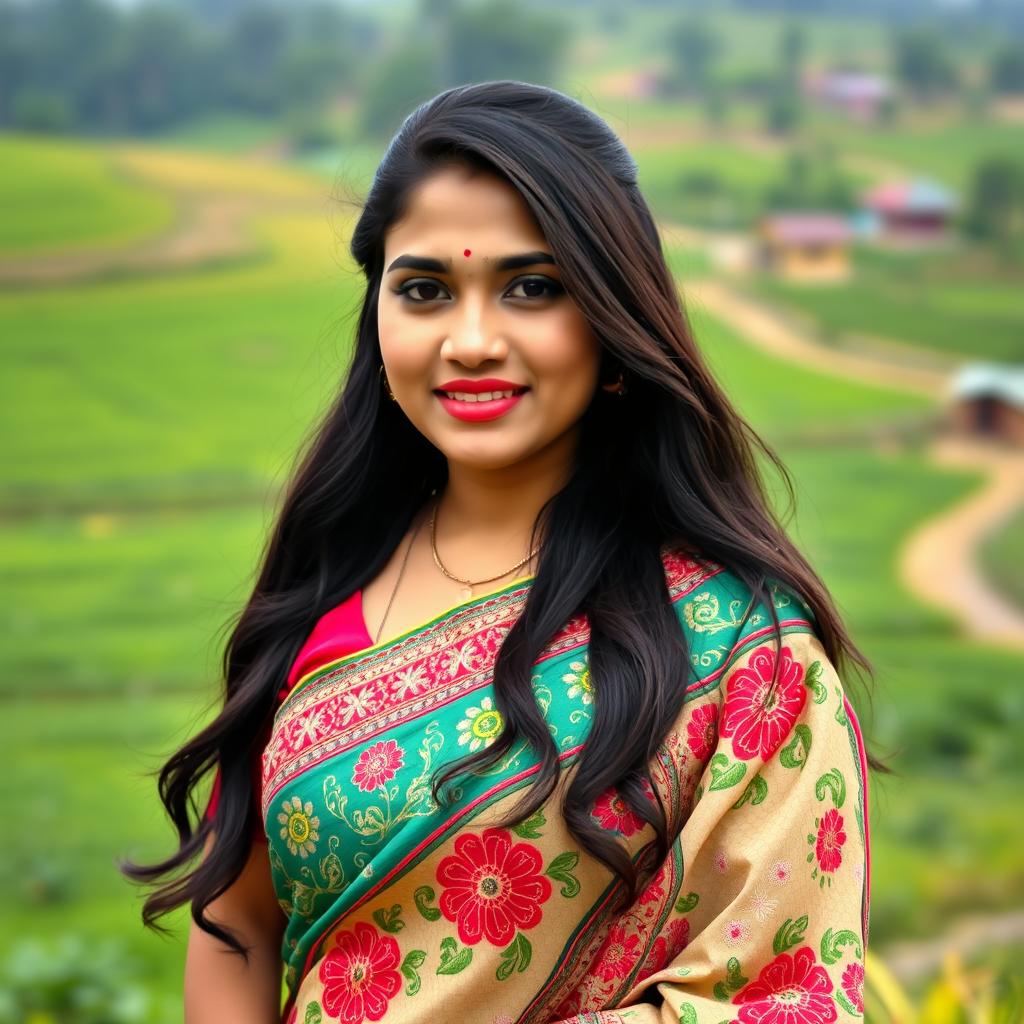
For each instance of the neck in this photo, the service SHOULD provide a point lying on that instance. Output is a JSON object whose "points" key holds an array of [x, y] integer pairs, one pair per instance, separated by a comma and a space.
{"points": [[485, 517]]}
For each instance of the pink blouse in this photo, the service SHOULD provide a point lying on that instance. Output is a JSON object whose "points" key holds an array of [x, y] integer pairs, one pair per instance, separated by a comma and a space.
{"points": [[338, 632]]}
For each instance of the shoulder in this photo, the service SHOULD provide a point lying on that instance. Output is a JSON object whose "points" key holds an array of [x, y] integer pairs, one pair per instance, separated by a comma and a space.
{"points": [[721, 616]]}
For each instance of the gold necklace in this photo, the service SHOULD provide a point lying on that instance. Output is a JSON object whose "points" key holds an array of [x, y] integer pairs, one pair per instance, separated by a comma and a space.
{"points": [[467, 585]]}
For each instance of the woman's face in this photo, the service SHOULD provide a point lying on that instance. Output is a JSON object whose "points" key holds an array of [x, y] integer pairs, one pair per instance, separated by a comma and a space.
{"points": [[452, 317]]}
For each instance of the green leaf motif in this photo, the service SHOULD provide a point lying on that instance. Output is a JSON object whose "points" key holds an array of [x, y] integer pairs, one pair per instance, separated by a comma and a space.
{"points": [[389, 920], [813, 682], [790, 934], [687, 1014], [734, 977], [831, 782], [515, 956], [453, 959], [561, 868], [794, 753], [686, 903], [756, 791], [313, 1014], [698, 793], [723, 777], [423, 897], [833, 944], [410, 968], [845, 1003], [530, 829], [841, 710]]}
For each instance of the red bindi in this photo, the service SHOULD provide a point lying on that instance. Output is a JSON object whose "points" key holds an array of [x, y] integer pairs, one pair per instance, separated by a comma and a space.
{"points": [[465, 252]]}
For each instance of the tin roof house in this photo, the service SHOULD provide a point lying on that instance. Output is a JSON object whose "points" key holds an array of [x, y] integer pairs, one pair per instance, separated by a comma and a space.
{"points": [[912, 212], [987, 400]]}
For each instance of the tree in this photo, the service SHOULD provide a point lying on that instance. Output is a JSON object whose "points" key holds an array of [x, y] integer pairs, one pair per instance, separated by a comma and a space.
{"points": [[995, 208], [1007, 71], [694, 48], [924, 64], [397, 84], [504, 39]]}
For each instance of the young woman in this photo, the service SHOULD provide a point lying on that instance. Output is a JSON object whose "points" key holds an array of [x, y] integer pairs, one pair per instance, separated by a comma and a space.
{"points": [[535, 712]]}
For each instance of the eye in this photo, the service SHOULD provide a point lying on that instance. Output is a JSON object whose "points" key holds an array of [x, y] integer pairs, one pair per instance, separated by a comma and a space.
{"points": [[411, 286], [549, 288]]}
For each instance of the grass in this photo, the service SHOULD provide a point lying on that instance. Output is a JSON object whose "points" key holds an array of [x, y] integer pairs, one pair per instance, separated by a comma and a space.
{"points": [[956, 302], [143, 505], [1002, 556], [59, 195]]}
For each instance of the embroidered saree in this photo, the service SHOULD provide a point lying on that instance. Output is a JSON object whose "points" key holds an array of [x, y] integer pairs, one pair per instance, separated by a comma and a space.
{"points": [[400, 909]]}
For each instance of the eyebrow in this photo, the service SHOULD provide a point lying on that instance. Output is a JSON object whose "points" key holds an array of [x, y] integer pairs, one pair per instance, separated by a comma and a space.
{"points": [[524, 259]]}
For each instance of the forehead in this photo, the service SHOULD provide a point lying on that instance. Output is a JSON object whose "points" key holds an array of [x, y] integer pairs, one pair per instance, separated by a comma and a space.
{"points": [[454, 210]]}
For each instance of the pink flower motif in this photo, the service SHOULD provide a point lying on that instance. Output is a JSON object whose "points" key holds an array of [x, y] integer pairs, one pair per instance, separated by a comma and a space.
{"points": [[828, 846], [619, 954], [612, 813], [360, 975], [781, 872], [492, 886], [721, 862], [852, 983], [792, 989], [666, 947], [377, 765], [736, 932], [756, 721], [701, 731]]}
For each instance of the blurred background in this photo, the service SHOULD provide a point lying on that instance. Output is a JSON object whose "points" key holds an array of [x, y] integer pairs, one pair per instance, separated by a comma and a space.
{"points": [[840, 188]]}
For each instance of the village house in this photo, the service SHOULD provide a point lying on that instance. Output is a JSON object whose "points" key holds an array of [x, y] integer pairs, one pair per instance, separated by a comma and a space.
{"points": [[987, 400], [857, 94], [914, 212], [804, 246]]}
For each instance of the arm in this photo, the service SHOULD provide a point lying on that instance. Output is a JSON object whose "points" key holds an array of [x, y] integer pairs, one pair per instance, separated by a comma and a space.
{"points": [[219, 985], [776, 885]]}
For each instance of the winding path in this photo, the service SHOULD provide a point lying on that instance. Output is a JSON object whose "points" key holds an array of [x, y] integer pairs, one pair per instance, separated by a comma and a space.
{"points": [[938, 562]]}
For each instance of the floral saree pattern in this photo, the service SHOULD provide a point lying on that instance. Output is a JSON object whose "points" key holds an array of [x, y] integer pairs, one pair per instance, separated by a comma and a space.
{"points": [[402, 908]]}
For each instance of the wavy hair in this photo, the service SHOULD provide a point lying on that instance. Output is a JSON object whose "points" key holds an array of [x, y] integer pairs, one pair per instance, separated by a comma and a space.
{"points": [[685, 476]]}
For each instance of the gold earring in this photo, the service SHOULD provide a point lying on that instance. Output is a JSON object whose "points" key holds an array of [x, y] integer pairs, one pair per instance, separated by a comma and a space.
{"points": [[387, 386], [619, 387]]}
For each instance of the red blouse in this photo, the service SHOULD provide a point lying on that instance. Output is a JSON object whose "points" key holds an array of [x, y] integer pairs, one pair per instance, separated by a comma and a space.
{"points": [[339, 632]]}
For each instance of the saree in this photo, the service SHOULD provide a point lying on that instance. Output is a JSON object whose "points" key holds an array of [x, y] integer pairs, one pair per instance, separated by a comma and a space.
{"points": [[400, 908]]}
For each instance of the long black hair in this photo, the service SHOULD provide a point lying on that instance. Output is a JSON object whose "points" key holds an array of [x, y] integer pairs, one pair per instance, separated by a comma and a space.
{"points": [[670, 462]]}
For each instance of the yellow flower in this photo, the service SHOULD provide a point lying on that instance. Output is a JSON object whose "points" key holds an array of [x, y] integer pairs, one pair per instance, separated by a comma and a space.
{"points": [[579, 681], [299, 827], [481, 726]]}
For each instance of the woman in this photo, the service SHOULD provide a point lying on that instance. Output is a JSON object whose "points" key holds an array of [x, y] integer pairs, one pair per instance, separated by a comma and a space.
{"points": [[534, 713]]}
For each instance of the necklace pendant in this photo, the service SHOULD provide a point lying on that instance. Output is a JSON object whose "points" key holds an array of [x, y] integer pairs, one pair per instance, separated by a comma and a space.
{"points": [[467, 593]]}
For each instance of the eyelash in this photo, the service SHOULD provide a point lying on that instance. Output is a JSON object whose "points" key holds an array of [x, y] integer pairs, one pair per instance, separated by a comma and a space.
{"points": [[554, 289]]}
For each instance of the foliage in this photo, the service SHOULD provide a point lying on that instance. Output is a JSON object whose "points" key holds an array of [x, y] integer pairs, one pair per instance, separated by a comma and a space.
{"points": [[924, 63], [73, 981], [995, 208], [92, 66], [694, 48], [1007, 70]]}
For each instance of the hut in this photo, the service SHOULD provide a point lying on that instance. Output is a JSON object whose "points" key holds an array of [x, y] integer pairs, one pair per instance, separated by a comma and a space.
{"points": [[987, 400], [805, 246], [858, 94], [916, 211]]}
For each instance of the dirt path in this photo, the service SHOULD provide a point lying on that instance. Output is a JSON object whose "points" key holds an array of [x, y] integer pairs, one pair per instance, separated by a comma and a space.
{"points": [[778, 335], [938, 562], [210, 225]]}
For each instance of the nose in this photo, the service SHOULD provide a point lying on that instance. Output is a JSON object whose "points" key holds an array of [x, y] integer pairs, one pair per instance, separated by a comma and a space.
{"points": [[474, 337]]}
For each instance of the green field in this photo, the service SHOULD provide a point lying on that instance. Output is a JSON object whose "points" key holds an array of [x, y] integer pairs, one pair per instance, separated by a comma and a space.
{"points": [[957, 302], [144, 428], [62, 195]]}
